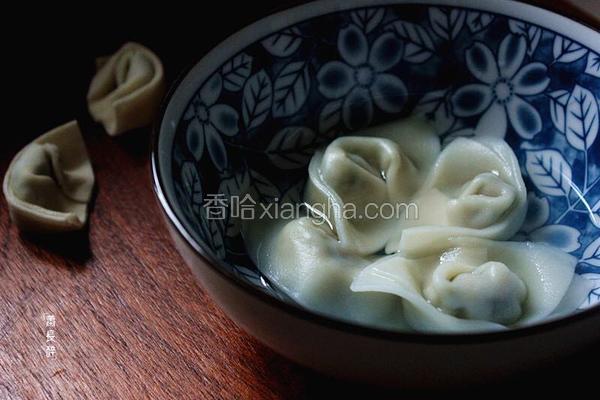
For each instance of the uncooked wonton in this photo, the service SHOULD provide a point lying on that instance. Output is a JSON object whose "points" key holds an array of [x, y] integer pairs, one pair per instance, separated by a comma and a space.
{"points": [[127, 89], [49, 183]]}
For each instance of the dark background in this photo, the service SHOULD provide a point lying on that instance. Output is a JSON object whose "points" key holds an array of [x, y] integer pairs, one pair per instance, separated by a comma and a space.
{"points": [[50, 52], [49, 55]]}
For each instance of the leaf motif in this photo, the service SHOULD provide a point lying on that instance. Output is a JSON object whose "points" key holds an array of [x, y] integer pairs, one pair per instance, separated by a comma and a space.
{"points": [[447, 23], [566, 51], [211, 226], [235, 184], [216, 149], [591, 254], [592, 66], [291, 88], [330, 117], [595, 215], [478, 21], [563, 237], [284, 43], [531, 33], [214, 232], [292, 147], [236, 71], [293, 194], [534, 34], [257, 100], [194, 137], [418, 43], [202, 228], [595, 219], [186, 207], [191, 185], [232, 226], [549, 171], [517, 27], [265, 190], [368, 18], [558, 109], [593, 297], [436, 107], [581, 118], [234, 187]]}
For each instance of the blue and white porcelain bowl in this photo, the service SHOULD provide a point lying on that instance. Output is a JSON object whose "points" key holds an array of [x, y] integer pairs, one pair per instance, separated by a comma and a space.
{"points": [[251, 112]]}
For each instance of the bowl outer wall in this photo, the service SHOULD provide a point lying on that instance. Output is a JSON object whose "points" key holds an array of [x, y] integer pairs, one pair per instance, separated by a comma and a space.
{"points": [[330, 345], [385, 361]]}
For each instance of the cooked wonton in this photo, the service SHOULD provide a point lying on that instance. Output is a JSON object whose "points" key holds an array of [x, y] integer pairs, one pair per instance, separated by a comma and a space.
{"points": [[304, 259], [49, 183], [478, 285], [354, 176], [451, 272], [475, 189], [127, 89]]}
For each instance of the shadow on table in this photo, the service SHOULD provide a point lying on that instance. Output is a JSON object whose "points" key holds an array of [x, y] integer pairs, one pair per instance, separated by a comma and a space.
{"points": [[136, 143], [73, 247], [573, 371]]}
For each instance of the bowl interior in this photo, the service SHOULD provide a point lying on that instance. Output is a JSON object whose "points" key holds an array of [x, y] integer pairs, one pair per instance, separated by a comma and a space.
{"points": [[251, 113]]}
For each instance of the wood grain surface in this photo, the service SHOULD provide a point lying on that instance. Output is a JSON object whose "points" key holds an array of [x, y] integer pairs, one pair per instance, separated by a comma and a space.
{"points": [[131, 323]]}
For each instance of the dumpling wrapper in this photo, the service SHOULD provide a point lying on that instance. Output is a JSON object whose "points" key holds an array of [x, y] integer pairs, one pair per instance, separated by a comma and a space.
{"points": [[49, 183], [303, 259], [352, 173], [127, 89], [415, 137], [546, 272], [469, 286], [354, 176], [475, 189]]}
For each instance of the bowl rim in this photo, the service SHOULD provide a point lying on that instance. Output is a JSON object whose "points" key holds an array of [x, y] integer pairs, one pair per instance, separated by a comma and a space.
{"points": [[510, 8]]}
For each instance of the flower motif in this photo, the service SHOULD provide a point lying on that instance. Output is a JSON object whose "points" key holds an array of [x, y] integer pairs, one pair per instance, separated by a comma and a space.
{"points": [[207, 120], [503, 84], [360, 79]]}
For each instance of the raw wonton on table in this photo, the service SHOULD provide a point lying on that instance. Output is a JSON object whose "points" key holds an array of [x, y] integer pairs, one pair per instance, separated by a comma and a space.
{"points": [[49, 183], [127, 89]]}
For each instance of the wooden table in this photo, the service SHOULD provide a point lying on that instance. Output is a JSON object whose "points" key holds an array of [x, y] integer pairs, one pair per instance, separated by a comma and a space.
{"points": [[130, 321]]}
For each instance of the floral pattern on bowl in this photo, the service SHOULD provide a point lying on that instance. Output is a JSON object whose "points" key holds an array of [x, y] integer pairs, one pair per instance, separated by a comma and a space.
{"points": [[254, 124]]}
